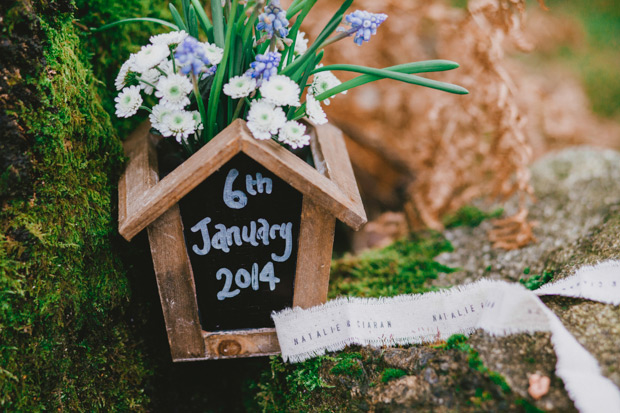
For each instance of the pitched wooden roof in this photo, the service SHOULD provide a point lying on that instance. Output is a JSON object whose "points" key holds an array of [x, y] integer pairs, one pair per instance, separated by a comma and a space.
{"points": [[143, 197]]}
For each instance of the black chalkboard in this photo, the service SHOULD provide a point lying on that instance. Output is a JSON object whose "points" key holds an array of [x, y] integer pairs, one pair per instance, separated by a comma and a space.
{"points": [[241, 225]]}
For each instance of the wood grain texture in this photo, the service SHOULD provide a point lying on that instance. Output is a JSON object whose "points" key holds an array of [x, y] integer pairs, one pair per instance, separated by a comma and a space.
{"points": [[143, 208], [175, 282], [316, 239], [305, 179], [136, 178], [241, 343], [330, 144]]}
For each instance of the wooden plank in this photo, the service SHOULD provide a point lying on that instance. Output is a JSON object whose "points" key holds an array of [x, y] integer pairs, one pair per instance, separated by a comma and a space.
{"points": [[136, 178], [144, 207], [239, 343], [175, 282], [330, 143], [316, 238], [304, 178]]}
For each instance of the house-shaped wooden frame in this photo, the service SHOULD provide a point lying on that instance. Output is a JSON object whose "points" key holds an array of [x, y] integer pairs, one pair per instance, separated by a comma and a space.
{"points": [[329, 192]]}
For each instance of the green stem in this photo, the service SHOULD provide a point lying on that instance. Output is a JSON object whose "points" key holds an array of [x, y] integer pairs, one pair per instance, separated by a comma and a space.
{"points": [[147, 109], [146, 83], [201, 105], [238, 109]]}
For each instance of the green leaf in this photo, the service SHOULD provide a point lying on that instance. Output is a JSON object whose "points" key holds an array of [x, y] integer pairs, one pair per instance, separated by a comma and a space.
{"points": [[399, 73], [295, 7], [185, 6], [214, 98], [218, 23], [203, 19], [132, 20], [192, 22], [177, 17], [325, 33]]}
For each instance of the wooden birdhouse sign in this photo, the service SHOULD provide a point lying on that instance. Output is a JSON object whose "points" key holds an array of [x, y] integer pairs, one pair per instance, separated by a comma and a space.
{"points": [[242, 228]]}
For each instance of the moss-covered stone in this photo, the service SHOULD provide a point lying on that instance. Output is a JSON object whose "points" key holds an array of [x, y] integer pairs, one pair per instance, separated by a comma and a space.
{"points": [[65, 342]]}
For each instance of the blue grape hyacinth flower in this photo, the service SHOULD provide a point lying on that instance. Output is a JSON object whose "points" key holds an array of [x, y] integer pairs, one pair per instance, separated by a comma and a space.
{"points": [[192, 57], [364, 24], [273, 20], [265, 66]]}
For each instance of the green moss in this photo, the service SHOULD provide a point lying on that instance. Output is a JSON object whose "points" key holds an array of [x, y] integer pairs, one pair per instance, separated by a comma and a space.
{"points": [[459, 342], [290, 387], [349, 364], [536, 281], [401, 268], [65, 343], [470, 216], [392, 374]]}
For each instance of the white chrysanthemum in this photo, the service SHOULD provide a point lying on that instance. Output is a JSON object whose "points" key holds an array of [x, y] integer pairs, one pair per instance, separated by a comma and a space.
{"points": [[151, 76], [323, 81], [180, 124], [240, 86], [149, 56], [167, 67], [168, 39], [213, 53], [128, 102], [121, 79], [293, 133], [314, 111], [280, 90], [158, 116], [301, 43], [197, 119], [264, 119], [173, 90]]}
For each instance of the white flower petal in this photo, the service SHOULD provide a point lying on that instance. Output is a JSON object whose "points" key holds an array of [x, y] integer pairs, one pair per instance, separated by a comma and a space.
{"points": [[240, 86], [280, 90], [314, 110], [293, 133], [265, 119], [149, 56], [174, 90], [170, 38], [128, 102]]}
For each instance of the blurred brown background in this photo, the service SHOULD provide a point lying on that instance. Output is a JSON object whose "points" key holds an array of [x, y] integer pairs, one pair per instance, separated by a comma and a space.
{"points": [[541, 77]]}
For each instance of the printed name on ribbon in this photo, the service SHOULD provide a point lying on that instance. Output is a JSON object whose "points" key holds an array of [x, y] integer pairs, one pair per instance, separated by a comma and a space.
{"points": [[497, 307]]}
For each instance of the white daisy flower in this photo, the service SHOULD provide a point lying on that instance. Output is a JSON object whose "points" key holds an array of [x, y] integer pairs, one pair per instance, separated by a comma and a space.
{"points": [[301, 43], [168, 39], [240, 86], [151, 76], [121, 79], [173, 90], [280, 90], [314, 111], [264, 119], [128, 102], [149, 56], [323, 81], [293, 133], [158, 116], [180, 124], [213, 53], [197, 119], [167, 67]]}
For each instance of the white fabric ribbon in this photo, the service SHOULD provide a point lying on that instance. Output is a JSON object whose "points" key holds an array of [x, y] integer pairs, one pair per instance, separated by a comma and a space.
{"points": [[498, 307]]}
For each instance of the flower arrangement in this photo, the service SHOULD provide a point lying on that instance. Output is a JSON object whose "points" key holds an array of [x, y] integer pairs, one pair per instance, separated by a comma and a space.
{"points": [[247, 60]]}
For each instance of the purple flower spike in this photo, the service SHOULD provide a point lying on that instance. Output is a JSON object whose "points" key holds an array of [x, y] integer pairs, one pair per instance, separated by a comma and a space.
{"points": [[273, 20], [264, 66], [364, 24], [192, 58]]}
